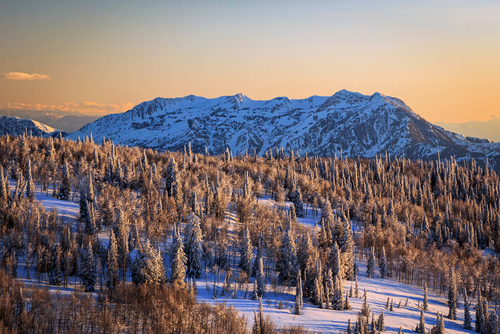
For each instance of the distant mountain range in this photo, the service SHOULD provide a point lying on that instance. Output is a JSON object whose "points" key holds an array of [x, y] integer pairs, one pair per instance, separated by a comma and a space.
{"points": [[356, 124], [65, 121], [347, 122], [17, 126], [487, 129]]}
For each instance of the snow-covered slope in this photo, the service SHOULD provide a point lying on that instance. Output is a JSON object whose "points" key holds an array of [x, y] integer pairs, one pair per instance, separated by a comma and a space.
{"points": [[357, 124], [16, 126]]}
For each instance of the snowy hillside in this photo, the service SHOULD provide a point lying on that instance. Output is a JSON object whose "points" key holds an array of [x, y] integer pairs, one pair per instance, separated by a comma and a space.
{"points": [[356, 124], [16, 126]]}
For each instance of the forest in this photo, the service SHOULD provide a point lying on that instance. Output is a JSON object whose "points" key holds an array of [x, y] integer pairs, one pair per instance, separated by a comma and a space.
{"points": [[153, 227]]}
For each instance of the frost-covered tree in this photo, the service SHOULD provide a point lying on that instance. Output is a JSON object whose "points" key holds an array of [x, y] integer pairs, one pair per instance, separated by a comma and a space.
{"points": [[55, 274], [172, 180], [246, 253], [112, 274], [148, 267], [121, 231], [65, 188], [420, 328], [179, 263], [296, 199], [381, 322], [338, 298], [287, 258], [452, 295], [258, 256], [89, 269], [335, 262], [383, 264], [298, 296], [260, 279], [467, 315], [193, 246], [30, 185], [346, 243], [426, 302], [370, 268]]}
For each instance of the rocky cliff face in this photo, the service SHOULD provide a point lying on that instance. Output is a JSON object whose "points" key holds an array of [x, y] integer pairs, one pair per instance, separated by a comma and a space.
{"points": [[356, 124]]}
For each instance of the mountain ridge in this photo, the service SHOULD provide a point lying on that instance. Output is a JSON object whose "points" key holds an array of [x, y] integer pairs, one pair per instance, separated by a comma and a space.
{"points": [[356, 124]]}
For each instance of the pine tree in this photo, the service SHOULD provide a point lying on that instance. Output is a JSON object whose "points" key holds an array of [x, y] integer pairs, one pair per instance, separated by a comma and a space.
{"points": [[256, 324], [298, 296], [347, 248], [335, 263], [172, 181], [246, 254], [467, 315], [383, 264], [65, 188], [452, 295], [421, 325], [296, 199], [55, 274], [179, 263], [193, 246], [121, 231], [30, 185], [148, 266], [261, 279], [426, 303], [287, 257], [381, 322], [370, 268], [356, 290], [338, 298], [258, 256], [89, 269], [112, 274], [365, 309], [479, 314]]}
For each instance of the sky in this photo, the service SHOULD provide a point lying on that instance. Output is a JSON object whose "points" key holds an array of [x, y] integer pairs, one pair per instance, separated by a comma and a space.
{"points": [[96, 57]]}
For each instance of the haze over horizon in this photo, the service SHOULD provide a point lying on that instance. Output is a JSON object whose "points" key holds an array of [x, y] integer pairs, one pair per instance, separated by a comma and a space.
{"points": [[439, 57]]}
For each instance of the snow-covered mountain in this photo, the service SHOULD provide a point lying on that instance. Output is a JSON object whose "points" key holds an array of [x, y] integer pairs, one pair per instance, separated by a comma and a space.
{"points": [[357, 124], [16, 126]]}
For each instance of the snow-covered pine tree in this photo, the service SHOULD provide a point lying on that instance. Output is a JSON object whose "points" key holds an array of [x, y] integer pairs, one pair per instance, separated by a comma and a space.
{"points": [[335, 262], [365, 309], [148, 267], [287, 257], [112, 269], [122, 230], [30, 185], [88, 269], [381, 322], [452, 295], [172, 180], [179, 263], [338, 298], [55, 274], [347, 248], [370, 268], [193, 246], [296, 199], [425, 303], [467, 315], [383, 264], [420, 328], [258, 256], [65, 188], [298, 296], [246, 253], [261, 279]]}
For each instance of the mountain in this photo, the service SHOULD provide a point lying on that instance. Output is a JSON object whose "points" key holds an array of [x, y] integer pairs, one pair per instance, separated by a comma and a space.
{"points": [[16, 126], [65, 121], [356, 124], [487, 129]]}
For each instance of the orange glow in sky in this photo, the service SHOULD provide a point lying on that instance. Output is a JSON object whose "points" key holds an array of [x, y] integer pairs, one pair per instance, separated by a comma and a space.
{"points": [[440, 57]]}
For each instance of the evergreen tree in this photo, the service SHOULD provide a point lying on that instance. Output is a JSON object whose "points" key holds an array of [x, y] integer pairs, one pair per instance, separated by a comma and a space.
{"points": [[179, 263], [148, 266], [193, 246], [260, 279], [370, 268], [55, 274], [421, 325], [338, 298], [287, 257], [452, 295], [467, 315], [258, 256], [121, 231], [246, 254], [383, 264], [479, 314], [30, 185], [172, 180], [347, 248], [426, 303], [112, 274], [89, 269], [296, 199], [65, 188], [381, 322], [337, 269], [365, 309], [298, 296]]}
